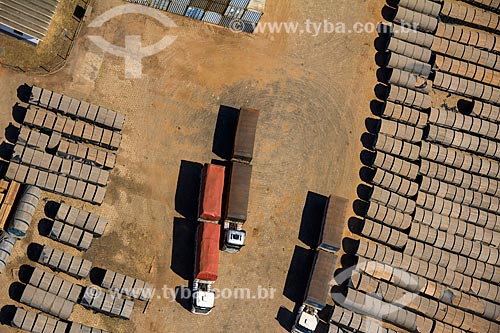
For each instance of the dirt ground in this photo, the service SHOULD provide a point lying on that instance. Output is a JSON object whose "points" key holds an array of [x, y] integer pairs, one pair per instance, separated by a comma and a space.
{"points": [[314, 95]]}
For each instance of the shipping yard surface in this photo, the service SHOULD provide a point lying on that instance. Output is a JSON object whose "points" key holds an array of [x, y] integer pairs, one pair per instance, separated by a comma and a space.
{"points": [[314, 95]]}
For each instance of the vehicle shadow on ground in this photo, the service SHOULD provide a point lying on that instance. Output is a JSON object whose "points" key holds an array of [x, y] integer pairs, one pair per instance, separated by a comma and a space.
{"points": [[188, 188], [183, 245], [296, 284], [312, 219], [183, 296], [225, 130], [285, 318]]}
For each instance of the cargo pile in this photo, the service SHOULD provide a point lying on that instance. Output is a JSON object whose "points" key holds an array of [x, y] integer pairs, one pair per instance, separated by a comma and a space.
{"points": [[57, 296], [57, 151], [238, 15], [427, 257], [66, 146]]}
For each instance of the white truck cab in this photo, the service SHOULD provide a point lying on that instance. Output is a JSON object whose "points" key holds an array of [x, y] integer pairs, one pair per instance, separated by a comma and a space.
{"points": [[307, 320], [234, 240], [203, 300]]}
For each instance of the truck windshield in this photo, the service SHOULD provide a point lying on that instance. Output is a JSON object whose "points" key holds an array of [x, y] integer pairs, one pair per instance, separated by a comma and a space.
{"points": [[300, 329], [201, 309]]}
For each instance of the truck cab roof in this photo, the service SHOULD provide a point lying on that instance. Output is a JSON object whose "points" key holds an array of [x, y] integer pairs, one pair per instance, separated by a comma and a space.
{"points": [[204, 299], [308, 321], [235, 237]]}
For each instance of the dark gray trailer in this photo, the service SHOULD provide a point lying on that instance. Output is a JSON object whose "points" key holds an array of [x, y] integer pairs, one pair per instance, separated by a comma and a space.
{"points": [[237, 207], [317, 293], [333, 224], [321, 279], [244, 139]]}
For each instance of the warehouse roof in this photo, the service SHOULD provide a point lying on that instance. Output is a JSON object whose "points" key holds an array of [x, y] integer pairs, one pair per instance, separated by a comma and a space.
{"points": [[30, 17]]}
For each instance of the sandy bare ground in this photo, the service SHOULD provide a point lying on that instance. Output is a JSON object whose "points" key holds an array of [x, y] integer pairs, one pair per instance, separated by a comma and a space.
{"points": [[313, 93]]}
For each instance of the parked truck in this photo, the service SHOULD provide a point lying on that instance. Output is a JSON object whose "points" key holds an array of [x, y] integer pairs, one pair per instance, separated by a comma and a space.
{"points": [[317, 293], [236, 207], [244, 139], [333, 224], [211, 190], [206, 268]]}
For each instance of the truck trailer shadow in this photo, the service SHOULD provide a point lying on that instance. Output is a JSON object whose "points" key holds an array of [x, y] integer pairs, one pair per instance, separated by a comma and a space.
{"points": [[183, 245], [183, 296], [296, 284], [312, 219], [285, 317], [188, 188], [225, 130], [298, 274]]}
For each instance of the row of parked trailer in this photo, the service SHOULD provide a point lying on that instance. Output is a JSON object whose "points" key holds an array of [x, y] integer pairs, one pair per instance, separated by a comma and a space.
{"points": [[231, 209], [427, 259], [324, 265]]}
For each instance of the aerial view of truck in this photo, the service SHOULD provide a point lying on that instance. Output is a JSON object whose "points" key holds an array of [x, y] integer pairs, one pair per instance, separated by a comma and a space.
{"points": [[317, 293], [237, 207], [211, 190], [244, 139], [206, 268]]}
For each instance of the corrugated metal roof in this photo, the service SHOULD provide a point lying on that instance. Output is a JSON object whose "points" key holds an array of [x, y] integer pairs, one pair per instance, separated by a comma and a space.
{"points": [[194, 12], [239, 3], [251, 16], [31, 17], [212, 17]]}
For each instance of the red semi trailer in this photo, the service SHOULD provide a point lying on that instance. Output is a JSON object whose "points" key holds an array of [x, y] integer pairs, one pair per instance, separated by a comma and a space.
{"points": [[206, 267], [212, 187]]}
